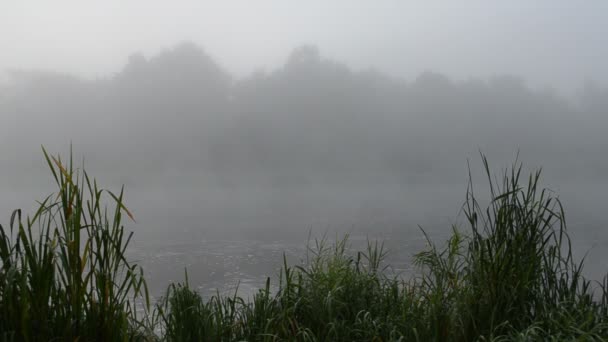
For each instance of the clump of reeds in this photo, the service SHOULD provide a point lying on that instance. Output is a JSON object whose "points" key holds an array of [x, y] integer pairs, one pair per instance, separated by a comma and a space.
{"points": [[512, 274], [334, 297], [64, 275], [509, 276]]}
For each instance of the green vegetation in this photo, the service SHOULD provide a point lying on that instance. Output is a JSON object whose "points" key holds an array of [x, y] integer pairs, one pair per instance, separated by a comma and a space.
{"points": [[510, 276], [64, 275]]}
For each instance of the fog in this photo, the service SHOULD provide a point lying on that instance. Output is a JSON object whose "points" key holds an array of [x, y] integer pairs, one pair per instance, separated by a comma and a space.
{"points": [[266, 141], [556, 43]]}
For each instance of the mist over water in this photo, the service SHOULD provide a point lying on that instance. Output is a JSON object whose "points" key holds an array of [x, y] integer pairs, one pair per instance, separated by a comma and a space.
{"points": [[226, 173]]}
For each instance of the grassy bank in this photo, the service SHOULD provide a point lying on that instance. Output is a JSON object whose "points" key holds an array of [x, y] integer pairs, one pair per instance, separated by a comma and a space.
{"points": [[509, 274]]}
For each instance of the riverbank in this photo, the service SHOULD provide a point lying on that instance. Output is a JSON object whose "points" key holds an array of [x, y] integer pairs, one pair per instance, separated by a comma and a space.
{"points": [[506, 273]]}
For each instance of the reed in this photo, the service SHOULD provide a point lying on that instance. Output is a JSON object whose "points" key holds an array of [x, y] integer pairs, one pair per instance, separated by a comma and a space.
{"points": [[64, 273], [507, 275], [510, 275]]}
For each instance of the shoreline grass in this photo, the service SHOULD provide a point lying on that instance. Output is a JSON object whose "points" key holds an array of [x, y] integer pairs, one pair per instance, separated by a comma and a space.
{"points": [[64, 275], [507, 275]]}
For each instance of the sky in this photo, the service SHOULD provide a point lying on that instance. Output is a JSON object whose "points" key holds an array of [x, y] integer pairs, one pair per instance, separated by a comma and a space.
{"points": [[555, 43]]}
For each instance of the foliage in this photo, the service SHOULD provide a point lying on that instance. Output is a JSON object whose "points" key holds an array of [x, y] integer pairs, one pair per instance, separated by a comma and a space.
{"points": [[510, 276], [64, 273]]}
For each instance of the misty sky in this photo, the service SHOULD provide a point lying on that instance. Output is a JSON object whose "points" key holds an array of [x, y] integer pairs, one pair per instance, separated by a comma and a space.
{"points": [[550, 43], [204, 143]]}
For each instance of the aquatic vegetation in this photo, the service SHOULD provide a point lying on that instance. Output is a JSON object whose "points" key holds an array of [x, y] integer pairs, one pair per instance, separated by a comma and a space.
{"points": [[508, 275], [64, 274]]}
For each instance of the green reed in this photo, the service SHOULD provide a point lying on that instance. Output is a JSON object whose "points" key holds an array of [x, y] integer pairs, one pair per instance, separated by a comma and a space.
{"points": [[64, 273], [507, 275]]}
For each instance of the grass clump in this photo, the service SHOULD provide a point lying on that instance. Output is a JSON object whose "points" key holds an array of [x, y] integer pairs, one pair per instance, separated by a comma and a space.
{"points": [[513, 275], [334, 297], [509, 276], [64, 275]]}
